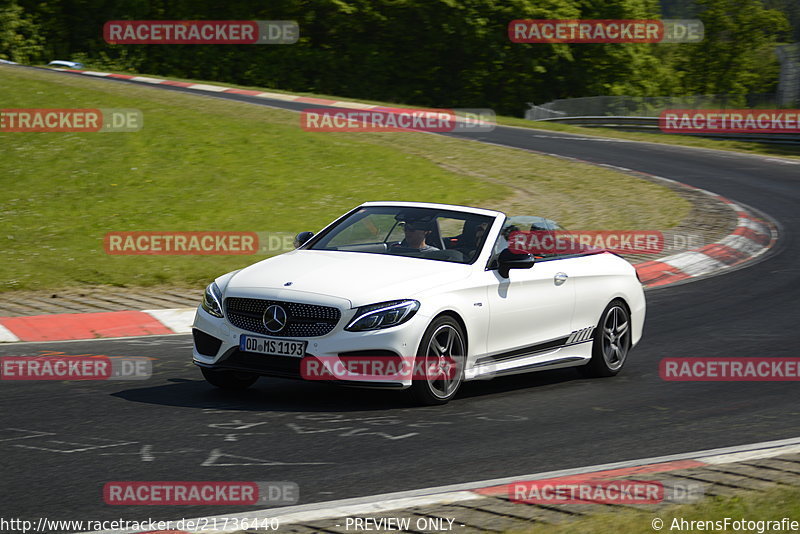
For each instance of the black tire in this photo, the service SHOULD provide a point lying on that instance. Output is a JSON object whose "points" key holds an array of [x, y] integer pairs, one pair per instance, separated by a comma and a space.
{"points": [[230, 380], [612, 342], [439, 348]]}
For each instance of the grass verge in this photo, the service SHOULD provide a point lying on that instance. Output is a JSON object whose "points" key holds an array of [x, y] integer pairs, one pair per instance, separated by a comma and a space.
{"points": [[765, 149], [202, 164]]}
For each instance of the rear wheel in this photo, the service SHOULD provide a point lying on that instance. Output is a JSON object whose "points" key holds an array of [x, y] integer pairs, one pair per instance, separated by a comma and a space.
{"points": [[612, 341], [439, 365], [230, 380]]}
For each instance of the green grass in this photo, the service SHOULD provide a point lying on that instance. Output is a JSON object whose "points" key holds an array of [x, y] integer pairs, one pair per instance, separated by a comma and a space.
{"points": [[771, 505], [202, 164], [766, 149]]}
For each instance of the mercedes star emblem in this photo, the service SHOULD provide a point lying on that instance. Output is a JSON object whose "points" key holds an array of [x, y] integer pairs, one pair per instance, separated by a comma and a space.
{"points": [[275, 318]]}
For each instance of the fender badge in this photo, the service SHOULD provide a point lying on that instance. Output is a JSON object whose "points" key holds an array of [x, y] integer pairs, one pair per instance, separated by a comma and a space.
{"points": [[287, 284]]}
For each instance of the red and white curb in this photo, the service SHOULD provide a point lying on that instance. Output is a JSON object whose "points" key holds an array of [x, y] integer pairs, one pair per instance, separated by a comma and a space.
{"points": [[71, 326], [260, 94], [443, 495], [751, 238]]}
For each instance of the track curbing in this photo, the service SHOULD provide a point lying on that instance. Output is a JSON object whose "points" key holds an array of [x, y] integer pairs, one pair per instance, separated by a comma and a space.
{"points": [[400, 502]]}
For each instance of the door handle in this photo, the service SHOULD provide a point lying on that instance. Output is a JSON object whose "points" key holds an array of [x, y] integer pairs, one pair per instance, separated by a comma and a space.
{"points": [[560, 278]]}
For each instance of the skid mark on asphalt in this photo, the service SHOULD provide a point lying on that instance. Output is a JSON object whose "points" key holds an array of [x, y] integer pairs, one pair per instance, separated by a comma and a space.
{"points": [[216, 457], [216, 454]]}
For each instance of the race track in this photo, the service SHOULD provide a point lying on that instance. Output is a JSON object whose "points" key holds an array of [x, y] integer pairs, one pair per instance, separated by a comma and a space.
{"points": [[65, 440]]}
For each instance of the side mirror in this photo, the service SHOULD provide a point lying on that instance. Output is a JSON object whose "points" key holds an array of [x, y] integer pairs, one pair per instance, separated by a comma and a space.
{"points": [[301, 238], [507, 260]]}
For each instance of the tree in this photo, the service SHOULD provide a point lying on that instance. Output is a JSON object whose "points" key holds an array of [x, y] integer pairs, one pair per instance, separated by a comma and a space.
{"points": [[20, 39], [738, 54], [791, 8]]}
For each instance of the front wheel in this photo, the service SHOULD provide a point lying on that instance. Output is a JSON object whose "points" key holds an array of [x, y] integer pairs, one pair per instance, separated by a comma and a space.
{"points": [[612, 342], [441, 358], [230, 380]]}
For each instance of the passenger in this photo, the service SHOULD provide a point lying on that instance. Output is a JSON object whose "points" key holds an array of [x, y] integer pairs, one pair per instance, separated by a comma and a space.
{"points": [[471, 236], [416, 231]]}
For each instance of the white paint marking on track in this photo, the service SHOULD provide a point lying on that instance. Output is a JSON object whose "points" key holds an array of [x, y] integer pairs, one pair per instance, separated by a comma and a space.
{"points": [[278, 96], [694, 263], [179, 320], [579, 138], [786, 161], [145, 79], [751, 455], [742, 244], [6, 336], [206, 87], [757, 226], [351, 105]]}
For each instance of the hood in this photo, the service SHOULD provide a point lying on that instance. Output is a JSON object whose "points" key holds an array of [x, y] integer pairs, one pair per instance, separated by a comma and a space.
{"points": [[360, 278]]}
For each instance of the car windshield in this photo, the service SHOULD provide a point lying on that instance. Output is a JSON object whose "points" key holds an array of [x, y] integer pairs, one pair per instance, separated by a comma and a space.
{"points": [[428, 233]]}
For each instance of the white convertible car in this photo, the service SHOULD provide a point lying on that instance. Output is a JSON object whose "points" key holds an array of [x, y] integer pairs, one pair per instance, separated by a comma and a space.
{"points": [[433, 285]]}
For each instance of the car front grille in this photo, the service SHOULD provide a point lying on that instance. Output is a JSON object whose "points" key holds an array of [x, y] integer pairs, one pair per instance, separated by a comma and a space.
{"points": [[282, 366], [303, 320]]}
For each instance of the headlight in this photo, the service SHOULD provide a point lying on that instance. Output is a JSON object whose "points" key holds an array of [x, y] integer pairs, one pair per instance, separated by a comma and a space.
{"points": [[383, 315], [212, 300]]}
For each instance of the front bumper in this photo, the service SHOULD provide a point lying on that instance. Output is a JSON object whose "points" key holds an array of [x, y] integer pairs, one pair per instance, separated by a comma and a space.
{"points": [[216, 346]]}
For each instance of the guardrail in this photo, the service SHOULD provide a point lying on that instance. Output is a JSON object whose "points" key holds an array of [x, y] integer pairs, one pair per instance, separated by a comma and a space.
{"points": [[650, 124]]}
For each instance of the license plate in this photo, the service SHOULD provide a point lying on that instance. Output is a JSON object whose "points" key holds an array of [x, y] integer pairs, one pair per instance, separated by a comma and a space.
{"points": [[269, 345]]}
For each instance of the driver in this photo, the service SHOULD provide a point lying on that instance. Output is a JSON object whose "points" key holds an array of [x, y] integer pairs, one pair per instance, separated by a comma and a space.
{"points": [[416, 230]]}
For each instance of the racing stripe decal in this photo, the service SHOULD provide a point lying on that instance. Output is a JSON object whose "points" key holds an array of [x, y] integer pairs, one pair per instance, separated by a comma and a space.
{"points": [[580, 336]]}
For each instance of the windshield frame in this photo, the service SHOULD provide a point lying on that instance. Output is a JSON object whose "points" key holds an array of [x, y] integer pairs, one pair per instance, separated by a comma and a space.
{"points": [[439, 211]]}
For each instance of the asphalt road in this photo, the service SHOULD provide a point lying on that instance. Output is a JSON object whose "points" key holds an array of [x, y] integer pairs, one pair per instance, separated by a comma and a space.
{"points": [[61, 441]]}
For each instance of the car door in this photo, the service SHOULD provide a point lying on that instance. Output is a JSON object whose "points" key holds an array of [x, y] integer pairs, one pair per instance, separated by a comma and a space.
{"points": [[531, 311]]}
